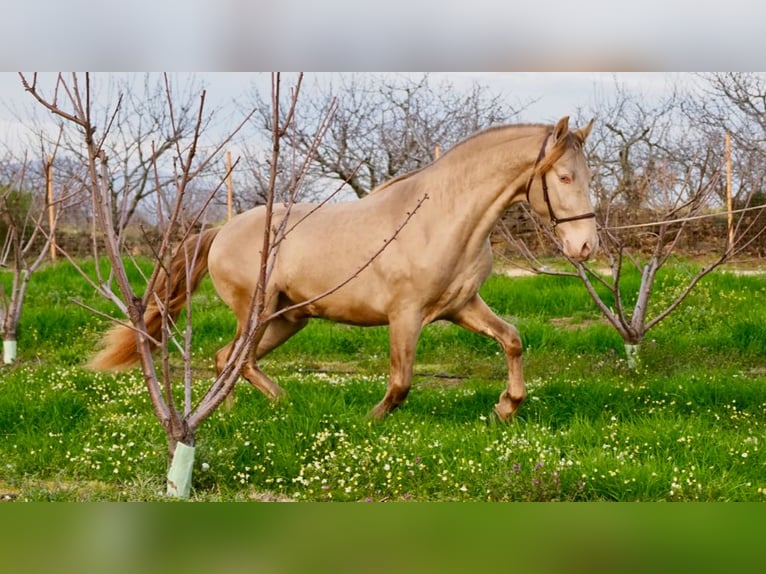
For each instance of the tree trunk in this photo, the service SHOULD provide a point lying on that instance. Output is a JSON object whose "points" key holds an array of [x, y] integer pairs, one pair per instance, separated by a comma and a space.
{"points": [[181, 447], [632, 352], [9, 350], [180, 471]]}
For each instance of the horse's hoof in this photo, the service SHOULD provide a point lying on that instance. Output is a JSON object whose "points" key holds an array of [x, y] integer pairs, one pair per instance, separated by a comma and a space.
{"points": [[377, 414], [507, 407], [506, 410], [503, 415], [277, 394]]}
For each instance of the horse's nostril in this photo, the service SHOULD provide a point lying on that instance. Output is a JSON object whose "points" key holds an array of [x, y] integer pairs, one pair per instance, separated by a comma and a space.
{"points": [[585, 251]]}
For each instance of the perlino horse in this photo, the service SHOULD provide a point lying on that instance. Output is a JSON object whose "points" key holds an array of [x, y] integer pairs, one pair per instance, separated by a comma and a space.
{"points": [[432, 270]]}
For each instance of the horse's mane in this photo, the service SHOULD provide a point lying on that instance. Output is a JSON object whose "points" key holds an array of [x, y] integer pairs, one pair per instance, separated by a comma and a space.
{"points": [[397, 179], [571, 140]]}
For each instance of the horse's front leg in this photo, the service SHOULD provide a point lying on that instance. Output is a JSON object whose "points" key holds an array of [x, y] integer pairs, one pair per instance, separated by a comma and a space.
{"points": [[403, 338], [477, 317]]}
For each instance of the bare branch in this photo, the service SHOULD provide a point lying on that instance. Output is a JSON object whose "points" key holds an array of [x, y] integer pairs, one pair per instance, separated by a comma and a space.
{"points": [[356, 274]]}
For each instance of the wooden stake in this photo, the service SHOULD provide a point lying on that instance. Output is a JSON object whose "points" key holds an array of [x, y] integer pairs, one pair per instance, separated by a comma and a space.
{"points": [[51, 206], [229, 187], [728, 189]]}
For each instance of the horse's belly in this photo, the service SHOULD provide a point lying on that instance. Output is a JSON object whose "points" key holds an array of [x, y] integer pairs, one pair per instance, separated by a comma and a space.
{"points": [[336, 307]]}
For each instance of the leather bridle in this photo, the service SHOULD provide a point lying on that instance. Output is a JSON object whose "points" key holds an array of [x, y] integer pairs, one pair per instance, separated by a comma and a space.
{"points": [[554, 220]]}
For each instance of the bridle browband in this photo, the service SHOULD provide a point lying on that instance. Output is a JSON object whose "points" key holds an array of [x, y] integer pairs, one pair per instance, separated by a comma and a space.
{"points": [[554, 220]]}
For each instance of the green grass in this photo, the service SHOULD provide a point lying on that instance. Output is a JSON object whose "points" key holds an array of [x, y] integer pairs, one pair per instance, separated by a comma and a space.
{"points": [[688, 425]]}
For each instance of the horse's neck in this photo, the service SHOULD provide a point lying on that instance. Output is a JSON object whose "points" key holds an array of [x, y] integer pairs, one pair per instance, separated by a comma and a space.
{"points": [[477, 185]]}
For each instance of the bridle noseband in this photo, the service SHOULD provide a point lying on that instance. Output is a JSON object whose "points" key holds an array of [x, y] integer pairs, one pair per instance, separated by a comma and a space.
{"points": [[554, 220]]}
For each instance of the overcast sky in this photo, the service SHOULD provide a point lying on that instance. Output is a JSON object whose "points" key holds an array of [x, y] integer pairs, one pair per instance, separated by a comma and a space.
{"points": [[554, 93]]}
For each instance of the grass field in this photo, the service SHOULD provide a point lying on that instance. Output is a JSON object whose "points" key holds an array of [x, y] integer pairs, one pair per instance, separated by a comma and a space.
{"points": [[687, 425]]}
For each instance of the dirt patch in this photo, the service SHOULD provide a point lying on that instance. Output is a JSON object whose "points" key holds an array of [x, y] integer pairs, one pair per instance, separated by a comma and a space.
{"points": [[746, 271], [575, 323], [517, 272]]}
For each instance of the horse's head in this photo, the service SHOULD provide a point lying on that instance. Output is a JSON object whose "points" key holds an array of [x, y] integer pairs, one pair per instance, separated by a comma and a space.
{"points": [[559, 190]]}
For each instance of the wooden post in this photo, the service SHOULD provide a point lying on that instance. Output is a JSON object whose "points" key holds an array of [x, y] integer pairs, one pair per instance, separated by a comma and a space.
{"points": [[437, 151], [51, 206], [728, 190], [229, 187]]}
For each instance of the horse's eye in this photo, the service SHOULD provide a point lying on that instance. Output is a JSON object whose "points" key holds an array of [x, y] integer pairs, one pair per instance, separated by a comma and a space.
{"points": [[566, 179]]}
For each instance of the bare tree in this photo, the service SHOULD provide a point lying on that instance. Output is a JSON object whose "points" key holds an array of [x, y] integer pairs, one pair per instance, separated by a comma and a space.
{"points": [[631, 313], [145, 135], [26, 232], [632, 146], [175, 218], [669, 176], [149, 322], [385, 126], [140, 134], [735, 103]]}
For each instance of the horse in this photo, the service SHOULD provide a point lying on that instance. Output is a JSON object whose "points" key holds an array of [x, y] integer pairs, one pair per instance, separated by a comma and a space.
{"points": [[416, 250]]}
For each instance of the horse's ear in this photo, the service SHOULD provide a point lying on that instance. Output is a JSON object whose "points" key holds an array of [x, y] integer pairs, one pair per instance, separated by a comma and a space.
{"points": [[561, 129], [584, 131]]}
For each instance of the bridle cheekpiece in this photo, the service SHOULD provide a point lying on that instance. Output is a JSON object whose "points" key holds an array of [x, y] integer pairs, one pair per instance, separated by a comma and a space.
{"points": [[554, 220]]}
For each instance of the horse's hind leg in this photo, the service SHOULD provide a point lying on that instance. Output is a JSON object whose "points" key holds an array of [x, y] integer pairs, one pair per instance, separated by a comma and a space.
{"points": [[476, 316], [260, 381], [277, 332]]}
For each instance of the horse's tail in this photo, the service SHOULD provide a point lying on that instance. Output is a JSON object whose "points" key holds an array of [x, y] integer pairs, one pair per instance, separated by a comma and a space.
{"points": [[121, 350]]}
